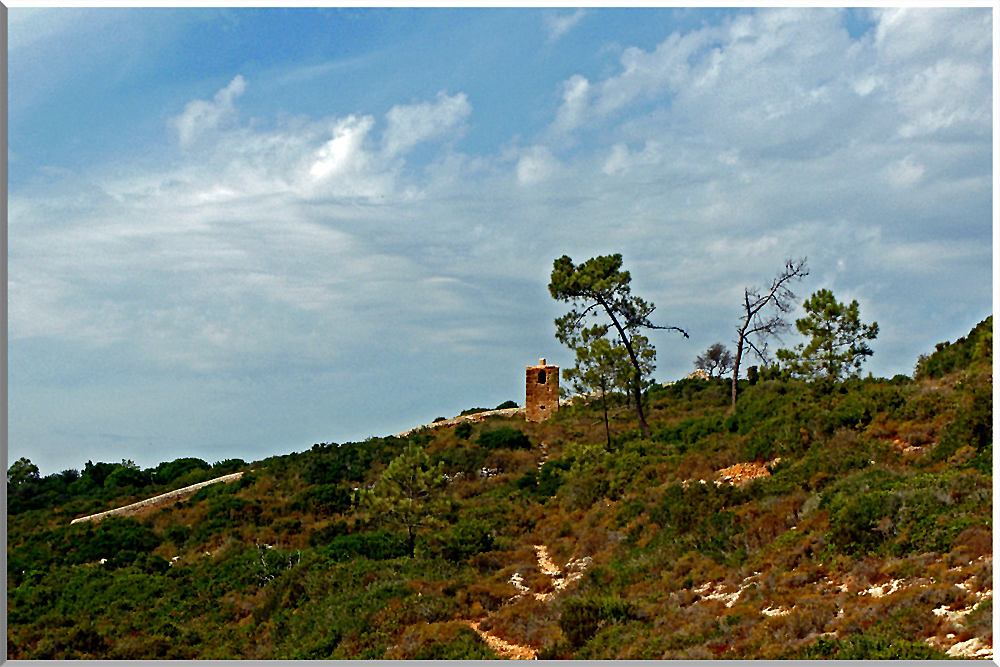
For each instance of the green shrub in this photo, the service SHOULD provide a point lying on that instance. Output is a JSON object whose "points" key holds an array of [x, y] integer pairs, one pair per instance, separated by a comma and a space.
{"points": [[877, 644], [167, 472], [876, 511], [503, 438], [691, 431], [374, 546], [581, 618], [326, 534], [228, 467], [466, 538], [544, 484], [324, 499], [466, 646], [950, 357], [466, 458], [127, 478]]}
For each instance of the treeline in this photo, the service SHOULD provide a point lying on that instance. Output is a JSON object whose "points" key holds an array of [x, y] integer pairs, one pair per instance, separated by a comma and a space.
{"points": [[99, 483]]}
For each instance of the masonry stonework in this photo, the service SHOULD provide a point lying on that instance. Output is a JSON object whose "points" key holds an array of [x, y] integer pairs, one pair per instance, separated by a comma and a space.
{"points": [[541, 391]]}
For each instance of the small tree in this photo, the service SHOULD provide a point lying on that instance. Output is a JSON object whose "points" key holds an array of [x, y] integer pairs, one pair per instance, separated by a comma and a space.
{"points": [[600, 366], [715, 358], [408, 494], [755, 327], [837, 339], [21, 471], [600, 285]]}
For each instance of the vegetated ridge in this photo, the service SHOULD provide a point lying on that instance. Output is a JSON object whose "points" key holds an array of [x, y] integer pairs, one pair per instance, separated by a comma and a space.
{"points": [[848, 520]]}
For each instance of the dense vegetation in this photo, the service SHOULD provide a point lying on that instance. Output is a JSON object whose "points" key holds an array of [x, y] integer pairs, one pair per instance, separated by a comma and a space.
{"points": [[870, 537]]}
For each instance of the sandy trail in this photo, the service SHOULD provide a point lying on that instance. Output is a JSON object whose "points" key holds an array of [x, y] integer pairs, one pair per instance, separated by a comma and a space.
{"points": [[512, 651]]}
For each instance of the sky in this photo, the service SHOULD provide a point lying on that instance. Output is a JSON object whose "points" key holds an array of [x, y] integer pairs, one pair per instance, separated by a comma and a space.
{"points": [[237, 232]]}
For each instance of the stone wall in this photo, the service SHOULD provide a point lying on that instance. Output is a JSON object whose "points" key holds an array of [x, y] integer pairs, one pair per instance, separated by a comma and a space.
{"points": [[157, 501]]}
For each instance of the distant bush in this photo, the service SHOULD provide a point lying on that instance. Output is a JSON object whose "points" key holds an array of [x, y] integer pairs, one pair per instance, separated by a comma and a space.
{"points": [[467, 538], [375, 546], [582, 618], [330, 464], [327, 534], [111, 537], [463, 431], [691, 430], [506, 405], [546, 483], [462, 458], [873, 645], [503, 438], [167, 472], [228, 466], [876, 511], [324, 499]]}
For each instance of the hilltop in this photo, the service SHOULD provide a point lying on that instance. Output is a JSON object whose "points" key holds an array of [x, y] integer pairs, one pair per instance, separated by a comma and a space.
{"points": [[850, 520]]}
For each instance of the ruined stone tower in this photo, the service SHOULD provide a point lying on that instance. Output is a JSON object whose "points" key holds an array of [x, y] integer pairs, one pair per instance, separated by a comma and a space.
{"points": [[541, 394]]}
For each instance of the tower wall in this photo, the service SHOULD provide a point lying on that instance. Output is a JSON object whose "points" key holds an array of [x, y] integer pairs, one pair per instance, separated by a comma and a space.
{"points": [[541, 391]]}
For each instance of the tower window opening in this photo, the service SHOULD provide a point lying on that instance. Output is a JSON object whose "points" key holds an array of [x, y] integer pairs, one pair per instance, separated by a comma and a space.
{"points": [[541, 377]]}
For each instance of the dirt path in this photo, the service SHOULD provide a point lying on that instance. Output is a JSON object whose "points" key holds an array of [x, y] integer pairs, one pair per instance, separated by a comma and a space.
{"points": [[512, 651], [560, 580]]}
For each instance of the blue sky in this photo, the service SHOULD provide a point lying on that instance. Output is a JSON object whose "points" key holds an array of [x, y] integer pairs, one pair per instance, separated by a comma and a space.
{"points": [[238, 232]]}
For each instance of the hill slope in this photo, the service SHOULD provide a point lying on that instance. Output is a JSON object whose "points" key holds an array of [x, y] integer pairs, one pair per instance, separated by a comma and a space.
{"points": [[852, 522]]}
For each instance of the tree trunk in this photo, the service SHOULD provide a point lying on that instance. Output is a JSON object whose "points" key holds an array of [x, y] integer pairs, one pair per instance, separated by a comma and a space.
{"points": [[636, 391], [607, 426], [736, 370]]}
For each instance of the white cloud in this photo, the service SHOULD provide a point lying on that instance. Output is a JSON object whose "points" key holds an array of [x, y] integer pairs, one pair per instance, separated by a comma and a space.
{"points": [[905, 172], [576, 97], [618, 160], [413, 124], [559, 24], [343, 155], [200, 116], [536, 165]]}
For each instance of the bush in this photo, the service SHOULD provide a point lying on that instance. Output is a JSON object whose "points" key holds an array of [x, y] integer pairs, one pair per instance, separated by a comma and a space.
{"points": [[466, 459], [467, 538], [228, 466], [375, 546], [581, 618], [503, 438], [877, 644], [875, 511], [950, 357], [167, 472], [507, 405], [324, 499]]}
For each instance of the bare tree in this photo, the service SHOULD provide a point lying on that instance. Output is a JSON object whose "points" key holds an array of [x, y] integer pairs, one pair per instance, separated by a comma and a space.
{"points": [[756, 325], [715, 358]]}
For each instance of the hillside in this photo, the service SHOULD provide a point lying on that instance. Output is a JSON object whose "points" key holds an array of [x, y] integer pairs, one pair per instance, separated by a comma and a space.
{"points": [[846, 521]]}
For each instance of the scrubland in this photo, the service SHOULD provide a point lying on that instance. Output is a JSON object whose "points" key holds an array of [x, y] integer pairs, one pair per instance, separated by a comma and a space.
{"points": [[846, 520]]}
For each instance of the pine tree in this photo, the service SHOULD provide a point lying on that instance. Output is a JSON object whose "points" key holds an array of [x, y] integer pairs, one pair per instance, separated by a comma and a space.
{"points": [[837, 339], [408, 495]]}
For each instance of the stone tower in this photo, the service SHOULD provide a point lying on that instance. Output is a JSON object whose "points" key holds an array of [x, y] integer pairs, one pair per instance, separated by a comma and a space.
{"points": [[541, 394]]}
